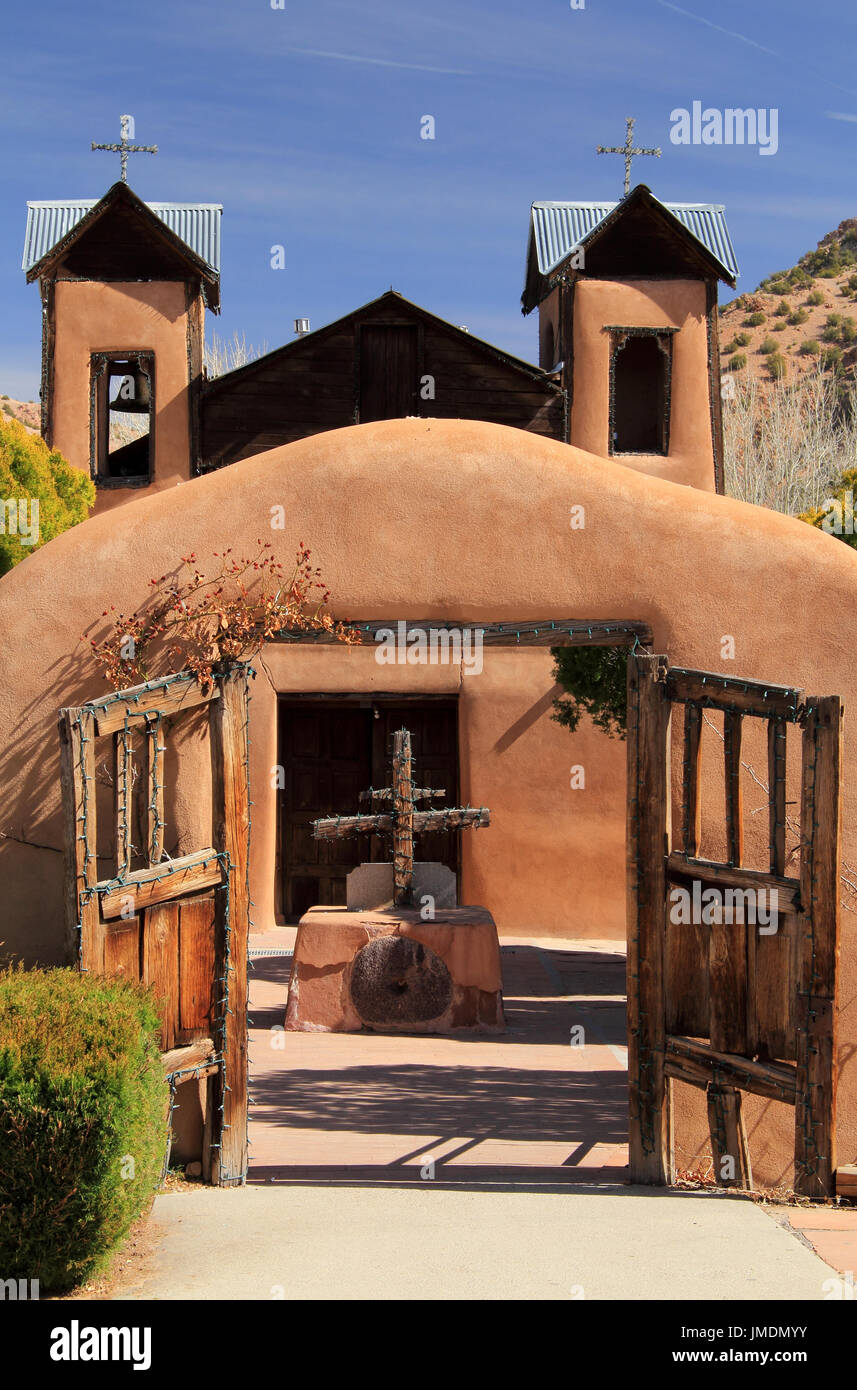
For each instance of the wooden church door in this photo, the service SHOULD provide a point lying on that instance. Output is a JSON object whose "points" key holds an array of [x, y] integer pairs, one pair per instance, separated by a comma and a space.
{"points": [[389, 355], [330, 751]]}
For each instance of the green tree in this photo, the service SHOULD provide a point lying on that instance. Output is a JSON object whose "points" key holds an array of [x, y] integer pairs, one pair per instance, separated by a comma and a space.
{"points": [[32, 473]]}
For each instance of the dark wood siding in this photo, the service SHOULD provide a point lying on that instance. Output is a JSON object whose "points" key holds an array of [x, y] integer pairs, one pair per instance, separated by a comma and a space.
{"points": [[316, 384]]}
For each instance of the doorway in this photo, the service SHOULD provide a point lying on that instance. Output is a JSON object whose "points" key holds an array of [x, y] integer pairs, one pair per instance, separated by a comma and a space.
{"points": [[331, 748]]}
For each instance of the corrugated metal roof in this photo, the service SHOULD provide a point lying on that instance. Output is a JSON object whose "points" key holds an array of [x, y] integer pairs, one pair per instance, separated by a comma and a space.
{"points": [[558, 227], [198, 225]]}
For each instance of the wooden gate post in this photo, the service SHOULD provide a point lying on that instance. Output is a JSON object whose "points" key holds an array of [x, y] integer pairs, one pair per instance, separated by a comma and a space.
{"points": [[84, 929], [650, 1157], [231, 820], [815, 1108]]}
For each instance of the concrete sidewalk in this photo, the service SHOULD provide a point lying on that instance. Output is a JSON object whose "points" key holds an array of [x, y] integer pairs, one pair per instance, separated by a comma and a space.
{"points": [[431, 1241]]}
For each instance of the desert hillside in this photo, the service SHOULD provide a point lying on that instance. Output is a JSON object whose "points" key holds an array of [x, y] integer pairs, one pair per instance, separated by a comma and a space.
{"points": [[798, 317]]}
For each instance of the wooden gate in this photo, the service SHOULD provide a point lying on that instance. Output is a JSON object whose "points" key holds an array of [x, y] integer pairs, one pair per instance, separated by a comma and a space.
{"points": [[719, 1005], [180, 925]]}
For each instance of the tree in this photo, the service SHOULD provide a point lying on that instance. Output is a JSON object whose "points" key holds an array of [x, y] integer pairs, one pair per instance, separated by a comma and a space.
{"points": [[41, 495]]}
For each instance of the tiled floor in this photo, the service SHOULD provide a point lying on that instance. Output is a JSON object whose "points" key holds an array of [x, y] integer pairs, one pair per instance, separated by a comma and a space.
{"points": [[371, 1107]]}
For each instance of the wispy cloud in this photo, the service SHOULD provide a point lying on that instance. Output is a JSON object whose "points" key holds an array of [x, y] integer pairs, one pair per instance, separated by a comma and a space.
{"points": [[378, 62], [841, 116], [731, 33]]}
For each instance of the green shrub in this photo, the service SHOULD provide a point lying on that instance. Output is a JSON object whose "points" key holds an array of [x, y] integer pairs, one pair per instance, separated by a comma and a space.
{"points": [[83, 1108], [797, 316], [829, 519], [816, 297], [847, 331], [810, 347], [737, 362], [780, 287], [742, 339], [755, 320], [778, 328], [833, 320], [595, 681], [777, 365], [30, 470], [831, 358], [783, 308], [769, 345]]}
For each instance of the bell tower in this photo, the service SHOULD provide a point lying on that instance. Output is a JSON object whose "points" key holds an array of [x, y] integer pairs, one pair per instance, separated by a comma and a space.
{"points": [[124, 287]]}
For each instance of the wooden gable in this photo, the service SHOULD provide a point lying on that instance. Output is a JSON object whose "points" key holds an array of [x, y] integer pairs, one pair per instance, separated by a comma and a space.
{"points": [[380, 362]]}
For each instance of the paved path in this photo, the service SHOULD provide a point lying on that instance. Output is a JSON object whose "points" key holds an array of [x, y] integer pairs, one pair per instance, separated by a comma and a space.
{"points": [[418, 1241], [525, 1197]]}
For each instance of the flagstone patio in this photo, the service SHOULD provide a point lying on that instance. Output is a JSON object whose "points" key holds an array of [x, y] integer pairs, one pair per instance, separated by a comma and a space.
{"points": [[542, 1099]]}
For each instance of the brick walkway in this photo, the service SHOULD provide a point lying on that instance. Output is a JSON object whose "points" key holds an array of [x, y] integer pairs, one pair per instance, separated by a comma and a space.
{"points": [[371, 1107]]}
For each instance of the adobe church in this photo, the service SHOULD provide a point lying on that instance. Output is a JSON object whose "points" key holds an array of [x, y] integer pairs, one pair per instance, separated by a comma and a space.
{"points": [[434, 478]]}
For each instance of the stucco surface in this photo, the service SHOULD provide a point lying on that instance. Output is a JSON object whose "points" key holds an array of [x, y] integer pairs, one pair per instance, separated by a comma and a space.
{"points": [[456, 521], [95, 317], [678, 304]]}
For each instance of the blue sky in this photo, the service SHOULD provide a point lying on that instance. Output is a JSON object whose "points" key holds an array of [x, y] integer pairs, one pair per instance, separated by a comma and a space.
{"points": [[305, 123]]}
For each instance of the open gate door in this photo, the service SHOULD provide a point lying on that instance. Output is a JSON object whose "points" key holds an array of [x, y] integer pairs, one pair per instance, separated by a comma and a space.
{"points": [[179, 925], [714, 1002]]}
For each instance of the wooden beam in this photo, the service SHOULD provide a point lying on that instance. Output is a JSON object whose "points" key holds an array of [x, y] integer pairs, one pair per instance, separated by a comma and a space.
{"points": [[691, 1061], [140, 702], [846, 1181], [333, 827], [777, 794], [815, 1112], [732, 731], [197, 1054], [648, 846], [155, 755], [711, 875], [729, 693], [123, 763], [172, 879], [84, 928], [230, 795], [691, 802], [728, 1138], [403, 819], [547, 632]]}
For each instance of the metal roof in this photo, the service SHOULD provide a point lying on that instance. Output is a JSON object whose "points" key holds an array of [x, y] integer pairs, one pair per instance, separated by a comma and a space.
{"points": [[198, 225], [558, 227]]}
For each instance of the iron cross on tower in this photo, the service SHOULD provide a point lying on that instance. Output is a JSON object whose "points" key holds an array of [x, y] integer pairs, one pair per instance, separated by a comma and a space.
{"points": [[628, 150], [124, 148], [403, 820]]}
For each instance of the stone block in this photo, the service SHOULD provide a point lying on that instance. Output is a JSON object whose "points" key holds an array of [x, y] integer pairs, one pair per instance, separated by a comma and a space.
{"points": [[371, 885], [388, 971]]}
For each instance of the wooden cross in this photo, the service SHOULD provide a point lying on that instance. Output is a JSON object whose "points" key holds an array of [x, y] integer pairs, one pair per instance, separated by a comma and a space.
{"points": [[403, 820], [124, 148], [628, 150]]}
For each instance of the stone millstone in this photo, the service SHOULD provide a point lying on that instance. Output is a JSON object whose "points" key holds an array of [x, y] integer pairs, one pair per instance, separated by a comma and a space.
{"points": [[395, 979]]}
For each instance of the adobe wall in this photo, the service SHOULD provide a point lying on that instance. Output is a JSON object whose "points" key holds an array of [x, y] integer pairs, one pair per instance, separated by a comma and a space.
{"points": [[91, 316], [454, 521], [646, 304]]}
